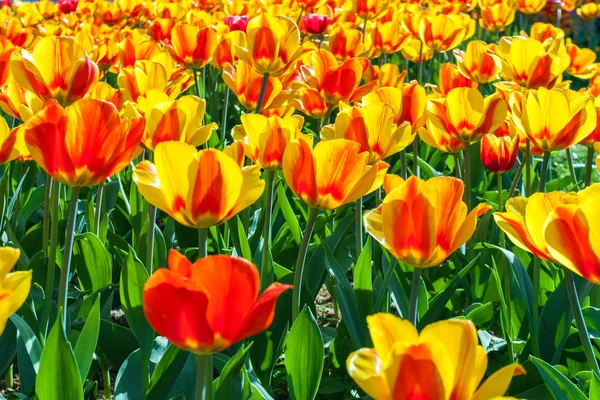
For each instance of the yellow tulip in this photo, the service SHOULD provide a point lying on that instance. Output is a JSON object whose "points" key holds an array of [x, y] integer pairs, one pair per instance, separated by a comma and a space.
{"points": [[475, 63], [14, 287]]}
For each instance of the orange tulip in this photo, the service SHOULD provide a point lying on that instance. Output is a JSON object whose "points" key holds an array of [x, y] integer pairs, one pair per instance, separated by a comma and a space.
{"points": [[530, 6], [266, 138], [444, 32], [245, 82], [273, 44], [554, 119], [425, 221], [334, 173], [191, 46], [476, 63], [499, 154], [8, 139], [57, 68], [145, 75], [335, 81], [309, 102], [386, 75], [593, 137], [452, 78], [18, 102], [346, 43], [409, 103], [440, 139], [198, 189], [134, 49], [389, 37], [372, 127], [582, 61], [589, 11], [6, 51], [496, 17], [225, 50], [236, 151], [465, 114], [83, 144], [415, 53], [207, 306], [13, 30], [14, 286], [369, 9]]}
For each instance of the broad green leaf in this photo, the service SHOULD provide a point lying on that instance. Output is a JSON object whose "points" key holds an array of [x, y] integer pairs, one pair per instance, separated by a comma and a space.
{"points": [[595, 386], [363, 285], [58, 376], [32, 344], [239, 238], [133, 278], [230, 384], [92, 261], [288, 214], [304, 357], [88, 339], [166, 372], [8, 347], [116, 342], [559, 385]]}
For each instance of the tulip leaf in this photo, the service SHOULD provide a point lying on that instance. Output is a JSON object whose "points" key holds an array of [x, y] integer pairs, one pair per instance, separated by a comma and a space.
{"points": [[347, 301], [288, 214], [559, 385], [58, 377], [133, 278], [239, 238], [304, 357], [166, 372], [88, 339], [8, 347], [595, 386], [363, 285], [93, 262], [116, 342], [32, 344], [230, 384]]}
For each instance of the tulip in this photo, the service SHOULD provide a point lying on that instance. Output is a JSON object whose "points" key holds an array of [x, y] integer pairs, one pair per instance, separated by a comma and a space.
{"points": [[192, 47], [18, 102], [372, 127], [444, 361], [207, 306], [499, 154], [582, 61], [144, 76], [593, 137], [309, 102], [132, 50], [589, 11], [198, 189], [346, 43], [335, 81], [236, 22], [225, 51], [476, 63], [529, 63], [273, 44], [83, 144], [451, 78], [369, 9], [316, 24], [266, 138], [440, 139], [236, 151], [57, 68], [14, 286], [389, 37], [408, 102], [444, 32], [178, 120], [67, 6], [16, 33], [496, 17], [530, 6], [425, 221], [543, 32], [465, 114], [6, 51], [8, 139], [245, 83], [554, 119], [386, 75]]}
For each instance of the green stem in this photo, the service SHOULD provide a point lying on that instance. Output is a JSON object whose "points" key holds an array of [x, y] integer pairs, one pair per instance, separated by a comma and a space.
{"points": [[571, 169], [358, 226], [414, 296], [505, 280], [421, 64], [403, 169], [202, 242], [204, 377], [416, 156], [9, 377], [196, 82], [104, 367], [68, 251], [457, 170], [588, 166], [46, 217], [364, 30], [150, 239], [467, 175], [581, 327], [527, 160], [99, 196], [224, 119], [387, 277], [535, 341], [298, 273], [513, 185], [544, 172], [263, 90], [54, 200], [300, 16], [266, 278]]}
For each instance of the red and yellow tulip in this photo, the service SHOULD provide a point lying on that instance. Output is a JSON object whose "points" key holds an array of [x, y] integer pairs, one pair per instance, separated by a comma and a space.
{"points": [[14, 286]]}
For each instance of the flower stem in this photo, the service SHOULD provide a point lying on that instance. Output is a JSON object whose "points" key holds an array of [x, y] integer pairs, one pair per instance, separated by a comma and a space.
{"points": [[588, 166], [571, 168], [416, 156], [264, 279], [150, 239], [457, 170], [46, 217], [99, 196], [202, 243], [581, 327], [224, 119], [544, 172], [505, 280], [204, 377], [358, 227], [527, 160], [467, 175], [535, 337], [298, 273], [68, 251], [263, 90], [414, 296], [403, 170], [196, 82], [513, 186], [54, 200]]}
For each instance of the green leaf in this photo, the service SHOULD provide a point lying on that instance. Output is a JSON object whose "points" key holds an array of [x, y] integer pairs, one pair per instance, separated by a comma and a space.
{"points": [[288, 214], [363, 286], [58, 376], [88, 339], [166, 373], [8, 347], [239, 238], [230, 384], [92, 261], [559, 385], [32, 344], [345, 296], [595, 386], [133, 278], [116, 342], [304, 357]]}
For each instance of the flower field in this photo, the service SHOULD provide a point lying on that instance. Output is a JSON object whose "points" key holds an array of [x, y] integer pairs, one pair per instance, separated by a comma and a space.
{"points": [[299, 199]]}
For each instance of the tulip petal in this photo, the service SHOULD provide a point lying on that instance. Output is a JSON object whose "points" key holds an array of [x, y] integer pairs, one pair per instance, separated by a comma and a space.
{"points": [[364, 366], [497, 384], [252, 188], [373, 221], [467, 228], [299, 170], [387, 329], [8, 259]]}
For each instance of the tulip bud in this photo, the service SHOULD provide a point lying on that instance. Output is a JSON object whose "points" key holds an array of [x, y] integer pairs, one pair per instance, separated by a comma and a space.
{"points": [[236, 22], [316, 24], [499, 154]]}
